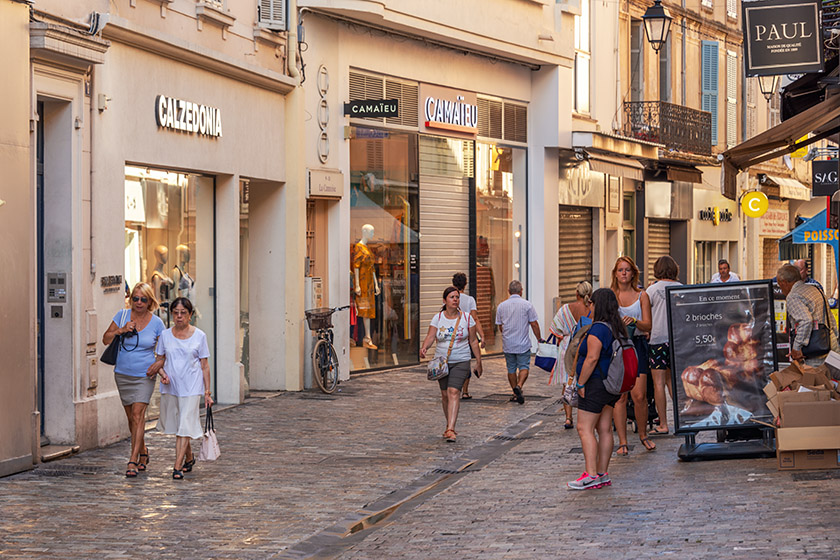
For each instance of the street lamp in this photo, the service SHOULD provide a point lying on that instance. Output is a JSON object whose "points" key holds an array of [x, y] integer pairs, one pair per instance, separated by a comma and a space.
{"points": [[768, 85], [657, 22]]}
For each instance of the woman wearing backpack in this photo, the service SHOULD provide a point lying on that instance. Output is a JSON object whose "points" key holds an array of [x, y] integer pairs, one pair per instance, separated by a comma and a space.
{"points": [[595, 405], [563, 327], [634, 308]]}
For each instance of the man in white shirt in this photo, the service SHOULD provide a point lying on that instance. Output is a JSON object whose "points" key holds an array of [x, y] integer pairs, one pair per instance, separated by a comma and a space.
{"points": [[515, 316], [723, 275]]}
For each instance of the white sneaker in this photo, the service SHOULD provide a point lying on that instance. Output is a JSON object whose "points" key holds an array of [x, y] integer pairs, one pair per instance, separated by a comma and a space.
{"points": [[585, 482]]}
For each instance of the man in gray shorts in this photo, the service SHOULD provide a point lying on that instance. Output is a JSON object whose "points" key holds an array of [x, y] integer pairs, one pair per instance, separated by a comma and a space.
{"points": [[514, 316]]}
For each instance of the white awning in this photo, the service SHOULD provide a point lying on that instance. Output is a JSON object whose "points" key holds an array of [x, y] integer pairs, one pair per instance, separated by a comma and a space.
{"points": [[791, 188]]}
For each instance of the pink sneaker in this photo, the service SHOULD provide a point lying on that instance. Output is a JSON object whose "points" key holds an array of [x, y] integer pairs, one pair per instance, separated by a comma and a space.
{"points": [[585, 482]]}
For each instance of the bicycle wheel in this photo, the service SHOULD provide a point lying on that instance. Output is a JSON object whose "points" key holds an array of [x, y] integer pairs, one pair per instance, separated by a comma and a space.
{"points": [[325, 366]]}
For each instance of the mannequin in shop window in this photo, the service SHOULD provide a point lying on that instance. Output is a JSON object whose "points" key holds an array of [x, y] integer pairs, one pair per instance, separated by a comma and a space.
{"points": [[160, 281], [183, 282], [367, 286]]}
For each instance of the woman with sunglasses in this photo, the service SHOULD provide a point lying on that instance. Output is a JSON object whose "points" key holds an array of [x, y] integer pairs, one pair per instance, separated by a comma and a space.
{"points": [[136, 367]]}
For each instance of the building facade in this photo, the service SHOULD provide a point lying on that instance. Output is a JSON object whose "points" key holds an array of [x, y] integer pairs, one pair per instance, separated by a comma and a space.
{"points": [[156, 152]]}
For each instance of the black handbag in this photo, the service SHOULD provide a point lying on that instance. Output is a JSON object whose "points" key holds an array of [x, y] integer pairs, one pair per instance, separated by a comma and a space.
{"points": [[820, 342], [109, 356]]}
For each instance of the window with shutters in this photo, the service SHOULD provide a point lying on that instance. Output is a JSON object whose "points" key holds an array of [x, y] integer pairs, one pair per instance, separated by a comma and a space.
{"points": [[272, 14], [707, 4], [731, 99], [370, 86], [709, 84], [752, 110], [773, 106], [637, 61], [515, 122], [665, 71], [732, 9], [582, 59]]}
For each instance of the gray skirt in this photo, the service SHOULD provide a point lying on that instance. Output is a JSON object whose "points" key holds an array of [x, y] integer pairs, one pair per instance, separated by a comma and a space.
{"points": [[134, 389], [458, 374]]}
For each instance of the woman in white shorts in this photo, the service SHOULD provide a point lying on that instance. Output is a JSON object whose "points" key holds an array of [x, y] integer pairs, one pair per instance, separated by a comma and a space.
{"points": [[185, 377]]}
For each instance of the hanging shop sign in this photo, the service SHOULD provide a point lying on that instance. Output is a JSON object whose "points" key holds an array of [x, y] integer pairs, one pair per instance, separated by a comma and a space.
{"points": [[755, 204], [824, 178], [782, 37], [186, 116], [448, 110], [723, 350], [715, 215], [373, 108]]}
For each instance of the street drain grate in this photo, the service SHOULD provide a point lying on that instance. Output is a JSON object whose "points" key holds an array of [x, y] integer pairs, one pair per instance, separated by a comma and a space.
{"points": [[443, 471], [511, 438], [549, 414], [70, 470], [815, 475]]}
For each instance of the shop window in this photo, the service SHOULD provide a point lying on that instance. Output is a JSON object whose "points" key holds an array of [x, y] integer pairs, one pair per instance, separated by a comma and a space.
{"points": [[169, 232], [384, 249], [499, 240], [629, 226]]}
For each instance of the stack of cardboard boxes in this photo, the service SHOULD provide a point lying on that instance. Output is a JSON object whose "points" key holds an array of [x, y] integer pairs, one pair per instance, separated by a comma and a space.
{"points": [[806, 404]]}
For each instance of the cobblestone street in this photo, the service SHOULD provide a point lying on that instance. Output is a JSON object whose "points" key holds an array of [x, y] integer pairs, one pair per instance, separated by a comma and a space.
{"points": [[365, 474]]}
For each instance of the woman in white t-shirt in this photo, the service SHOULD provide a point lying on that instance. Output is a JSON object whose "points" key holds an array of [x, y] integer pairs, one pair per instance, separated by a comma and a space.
{"points": [[451, 328], [185, 377], [468, 306]]}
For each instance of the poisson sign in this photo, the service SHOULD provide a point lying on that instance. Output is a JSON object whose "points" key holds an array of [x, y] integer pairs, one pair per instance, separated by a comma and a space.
{"points": [[178, 114]]}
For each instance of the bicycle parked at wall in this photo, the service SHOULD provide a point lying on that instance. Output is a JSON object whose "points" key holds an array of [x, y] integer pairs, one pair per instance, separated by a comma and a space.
{"points": [[324, 358]]}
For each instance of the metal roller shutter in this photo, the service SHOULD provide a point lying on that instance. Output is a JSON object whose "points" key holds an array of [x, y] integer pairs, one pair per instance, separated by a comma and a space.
{"points": [[445, 168], [575, 243], [659, 243]]}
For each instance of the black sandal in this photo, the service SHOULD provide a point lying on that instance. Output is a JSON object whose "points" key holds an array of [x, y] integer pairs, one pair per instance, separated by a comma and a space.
{"points": [[142, 466], [188, 465], [177, 475], [129, 472]]}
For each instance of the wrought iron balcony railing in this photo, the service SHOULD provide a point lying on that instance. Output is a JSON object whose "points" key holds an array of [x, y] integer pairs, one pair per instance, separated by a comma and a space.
{"points": [[676, 127]]}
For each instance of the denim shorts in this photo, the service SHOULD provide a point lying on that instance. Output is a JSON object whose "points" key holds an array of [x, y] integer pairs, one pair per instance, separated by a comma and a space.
{"points": [[516, 362]]}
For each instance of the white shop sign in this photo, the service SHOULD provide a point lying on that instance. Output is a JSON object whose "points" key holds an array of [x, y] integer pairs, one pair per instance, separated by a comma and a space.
{"points": [[186, 116], [326, 183]]}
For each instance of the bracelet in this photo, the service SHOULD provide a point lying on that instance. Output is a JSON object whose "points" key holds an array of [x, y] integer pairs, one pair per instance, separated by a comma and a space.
{"points": [[579, 386]]}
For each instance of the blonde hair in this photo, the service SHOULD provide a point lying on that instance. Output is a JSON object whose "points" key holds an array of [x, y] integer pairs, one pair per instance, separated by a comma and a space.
{"points": [[584, 290], [146, 291]]}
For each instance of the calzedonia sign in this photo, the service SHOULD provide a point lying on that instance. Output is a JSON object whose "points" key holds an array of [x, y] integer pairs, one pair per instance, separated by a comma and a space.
{"points": [[178, 114], [448, 110], [782, 37]]}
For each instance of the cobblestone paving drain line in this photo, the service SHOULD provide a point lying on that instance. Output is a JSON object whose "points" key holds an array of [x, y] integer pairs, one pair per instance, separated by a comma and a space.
{"points": [[335, 540]]}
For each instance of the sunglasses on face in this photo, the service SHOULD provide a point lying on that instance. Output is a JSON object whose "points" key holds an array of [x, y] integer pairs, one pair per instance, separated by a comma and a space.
{"points": [[144, 299]]}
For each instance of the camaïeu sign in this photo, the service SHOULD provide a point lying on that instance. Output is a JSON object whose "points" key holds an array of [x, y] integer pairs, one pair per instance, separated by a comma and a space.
{"points": [[782, 37]]}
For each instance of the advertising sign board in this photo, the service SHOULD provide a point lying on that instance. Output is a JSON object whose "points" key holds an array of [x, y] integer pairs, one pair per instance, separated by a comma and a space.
{"points": [[824, 177], [782, 37], [723, 350]]}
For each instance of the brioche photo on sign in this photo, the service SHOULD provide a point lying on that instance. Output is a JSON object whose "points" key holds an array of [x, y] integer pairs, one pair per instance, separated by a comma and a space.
{"points": [[723, 352]]}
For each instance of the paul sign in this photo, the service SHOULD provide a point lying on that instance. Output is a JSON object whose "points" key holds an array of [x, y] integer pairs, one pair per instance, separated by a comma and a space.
{"points": [[782, 37], [824, 177]]}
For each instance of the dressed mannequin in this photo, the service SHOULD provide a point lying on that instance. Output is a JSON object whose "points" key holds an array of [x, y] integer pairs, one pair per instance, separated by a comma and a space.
{"points": [[161, 282], [367, 286], [185, 285]]}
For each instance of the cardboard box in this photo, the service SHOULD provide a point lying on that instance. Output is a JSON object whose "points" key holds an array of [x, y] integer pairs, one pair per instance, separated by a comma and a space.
{"points": [[809, 459], [804, 414], [812, 437], [777, 399]]}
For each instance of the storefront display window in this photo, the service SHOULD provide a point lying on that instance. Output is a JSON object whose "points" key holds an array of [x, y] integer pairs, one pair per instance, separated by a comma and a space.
{"points": [[384, 249], [499, 253], [706, 257], [169, 241]]}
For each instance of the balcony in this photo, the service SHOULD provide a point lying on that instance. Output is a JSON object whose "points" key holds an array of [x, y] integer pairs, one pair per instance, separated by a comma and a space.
{"points": [[676, 127]]}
